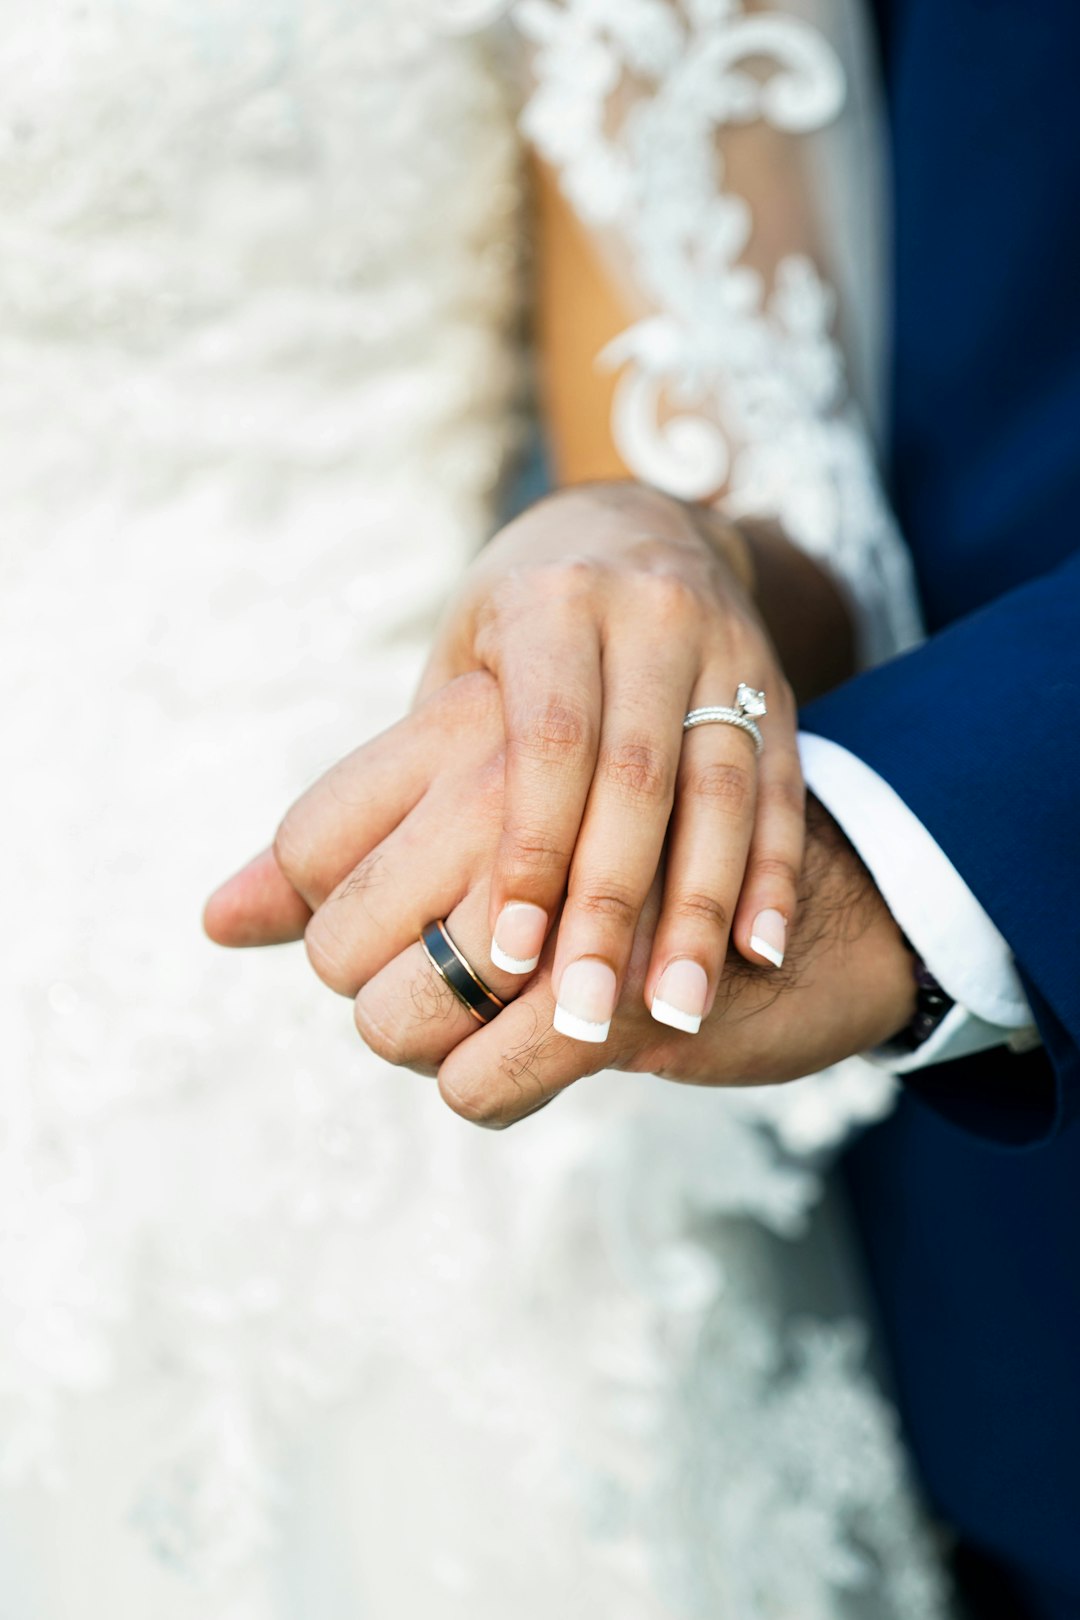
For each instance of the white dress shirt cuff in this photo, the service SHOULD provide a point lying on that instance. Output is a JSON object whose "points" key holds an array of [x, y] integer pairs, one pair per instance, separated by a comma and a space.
{"points": [[932, 905]]}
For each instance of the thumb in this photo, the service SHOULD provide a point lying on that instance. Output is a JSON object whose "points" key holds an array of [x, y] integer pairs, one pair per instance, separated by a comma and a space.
{"points": [[258, 906]]}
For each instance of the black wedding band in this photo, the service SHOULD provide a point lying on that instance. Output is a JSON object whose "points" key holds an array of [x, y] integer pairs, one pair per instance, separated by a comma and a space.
{"points": [[463, 980]]}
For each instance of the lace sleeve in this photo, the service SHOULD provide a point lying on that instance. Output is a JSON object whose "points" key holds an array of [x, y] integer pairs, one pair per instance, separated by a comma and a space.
{"points": [[693, 140]]}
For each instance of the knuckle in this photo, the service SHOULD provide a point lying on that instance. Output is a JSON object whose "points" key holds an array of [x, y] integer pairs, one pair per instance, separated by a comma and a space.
{"points": [[290, 853], [553, 732], [385, 1042], [472, 697], [696, 906], [530, 850], [638, 770], [567, 578], [551, 585], [671, 599], [326, 957], [787, 793], [488, 791], [776, 869], [609, 903], [502, 612], [362, 878], [723, 785], [477, 1105]]}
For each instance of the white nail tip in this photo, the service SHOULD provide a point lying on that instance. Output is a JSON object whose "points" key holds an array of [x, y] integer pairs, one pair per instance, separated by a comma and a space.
{"points": [[580, 1029], [769, 952], [512, 964], [665, 1013]]}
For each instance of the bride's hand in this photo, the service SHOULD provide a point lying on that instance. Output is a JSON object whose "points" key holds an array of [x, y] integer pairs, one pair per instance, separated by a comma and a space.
{"points": [[605, 613]]}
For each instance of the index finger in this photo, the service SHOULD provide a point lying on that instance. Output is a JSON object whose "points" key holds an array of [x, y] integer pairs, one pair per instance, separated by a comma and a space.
{"points": [[362, 798], [350, 809], [551, 689]]}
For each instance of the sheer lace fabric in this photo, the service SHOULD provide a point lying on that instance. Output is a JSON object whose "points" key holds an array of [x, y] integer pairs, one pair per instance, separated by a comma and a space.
{"points": [[272, 1321], [734, 384]]}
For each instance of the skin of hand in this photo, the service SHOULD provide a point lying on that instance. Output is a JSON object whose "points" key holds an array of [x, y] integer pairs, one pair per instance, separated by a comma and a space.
{"points": [[378, 847], [605, 614]]}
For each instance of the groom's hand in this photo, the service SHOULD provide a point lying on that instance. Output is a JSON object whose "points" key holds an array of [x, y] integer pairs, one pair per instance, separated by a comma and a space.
{"points": [[846, 986]]}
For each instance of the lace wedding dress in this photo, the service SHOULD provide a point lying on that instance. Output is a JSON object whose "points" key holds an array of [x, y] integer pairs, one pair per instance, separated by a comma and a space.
{"points": [[279, 1335]]}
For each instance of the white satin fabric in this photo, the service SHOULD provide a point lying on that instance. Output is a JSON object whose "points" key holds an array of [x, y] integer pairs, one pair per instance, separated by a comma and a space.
{"points": [[279, 1335]]}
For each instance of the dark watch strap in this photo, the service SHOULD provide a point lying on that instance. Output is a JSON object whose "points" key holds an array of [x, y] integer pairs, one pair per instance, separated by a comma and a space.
{"points": [[932, 1003]]}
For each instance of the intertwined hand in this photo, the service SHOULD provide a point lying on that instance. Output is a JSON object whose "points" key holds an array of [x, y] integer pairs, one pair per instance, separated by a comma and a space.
{"points": [[405, 830]]}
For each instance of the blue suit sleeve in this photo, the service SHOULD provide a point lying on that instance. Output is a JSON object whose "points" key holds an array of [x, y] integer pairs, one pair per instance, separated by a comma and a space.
{"points": [[978, 731]]}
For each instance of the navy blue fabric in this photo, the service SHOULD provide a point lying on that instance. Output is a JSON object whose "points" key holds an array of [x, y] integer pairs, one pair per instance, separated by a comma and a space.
{"points": [[973, 1250], [986, 384], [979, 730], [972, 1254]]}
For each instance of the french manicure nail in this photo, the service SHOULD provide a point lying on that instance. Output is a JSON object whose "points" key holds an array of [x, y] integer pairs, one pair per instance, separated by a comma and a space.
{"points": [[519, 936], [680, 996], [769, 937], [586, 1000]]}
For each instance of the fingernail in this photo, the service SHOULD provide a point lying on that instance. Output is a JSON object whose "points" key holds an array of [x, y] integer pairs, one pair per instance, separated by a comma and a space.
{"points": [[769, 937], [586, 1000], [519, 937], [680, 996]]}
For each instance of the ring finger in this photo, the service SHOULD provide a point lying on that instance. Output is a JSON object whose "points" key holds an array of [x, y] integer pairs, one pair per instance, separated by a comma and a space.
{"points": [[409, 1014], [712, 827]]}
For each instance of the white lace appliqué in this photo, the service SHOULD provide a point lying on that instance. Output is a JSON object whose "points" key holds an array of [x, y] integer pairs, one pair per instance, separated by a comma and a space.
{"points": [[731, 387]]}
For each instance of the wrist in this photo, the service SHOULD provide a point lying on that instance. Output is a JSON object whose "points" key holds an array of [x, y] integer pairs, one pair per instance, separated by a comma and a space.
{"points": [[804, 609], [932, 1006], [852, 936], [730, 543]]}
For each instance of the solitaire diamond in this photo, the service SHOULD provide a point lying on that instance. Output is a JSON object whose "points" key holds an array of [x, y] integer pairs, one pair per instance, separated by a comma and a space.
{"points": [[749, 702]]}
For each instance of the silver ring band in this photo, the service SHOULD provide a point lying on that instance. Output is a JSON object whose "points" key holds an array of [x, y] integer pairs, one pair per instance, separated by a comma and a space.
{"points": [[725, 717], [749, 702]]}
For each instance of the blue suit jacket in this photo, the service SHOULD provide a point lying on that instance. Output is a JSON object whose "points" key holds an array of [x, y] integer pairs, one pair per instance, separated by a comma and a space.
{"points": [[975, 1250]]}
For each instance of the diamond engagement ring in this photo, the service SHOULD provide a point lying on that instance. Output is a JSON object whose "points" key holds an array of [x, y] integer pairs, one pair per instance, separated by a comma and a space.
{"points": [[747, 709]]}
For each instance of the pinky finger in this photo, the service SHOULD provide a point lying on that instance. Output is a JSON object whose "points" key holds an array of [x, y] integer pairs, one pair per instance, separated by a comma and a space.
{"points": [[768, 897]]}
